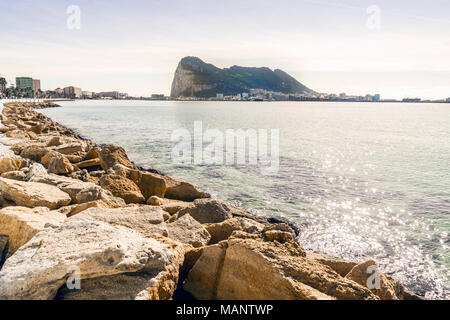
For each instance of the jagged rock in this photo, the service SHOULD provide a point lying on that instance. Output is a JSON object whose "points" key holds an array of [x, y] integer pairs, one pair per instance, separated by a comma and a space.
{"points": [[181, 190], [39, 268], [207, 211], [149, 183], [79, 191], [34, 153], [17, 134], [71, 148], [173, 206], [33, 194], [15, 175], [111, 155], [122, 187], [155, 201], [247, 267], [360, 274], [88, 163], [223, 230], [20, 224], [146, 220], [187, 230], [11, 164], [77, 208], [341, 266]]}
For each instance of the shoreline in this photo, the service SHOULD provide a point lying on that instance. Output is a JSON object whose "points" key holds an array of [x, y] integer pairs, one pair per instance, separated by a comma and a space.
{"points": [[223, 234]]}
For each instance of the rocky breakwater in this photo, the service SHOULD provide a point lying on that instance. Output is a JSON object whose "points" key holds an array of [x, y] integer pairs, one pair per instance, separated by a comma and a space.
{"points": [[71, 208]]}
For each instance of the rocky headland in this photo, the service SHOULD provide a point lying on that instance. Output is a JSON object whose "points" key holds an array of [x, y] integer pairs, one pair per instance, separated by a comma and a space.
{"points": [[195, 78], [70, 207]]}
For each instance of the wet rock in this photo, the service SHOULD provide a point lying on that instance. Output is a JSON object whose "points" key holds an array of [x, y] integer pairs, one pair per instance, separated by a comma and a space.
{"points": [[33, 194]]}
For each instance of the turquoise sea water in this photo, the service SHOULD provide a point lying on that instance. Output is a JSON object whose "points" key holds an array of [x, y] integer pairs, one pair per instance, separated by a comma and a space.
{"points": [[362, 180]]}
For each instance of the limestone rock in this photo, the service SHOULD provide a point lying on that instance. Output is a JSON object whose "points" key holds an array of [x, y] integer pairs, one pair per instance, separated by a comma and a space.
{"points": [[122, 187], [4, 247], [57, 163], [149, 183], [207, 211], [11, 164], [146, 220], [20, 224], [155, 201], [39, 268], [33, 194], [15, 175], [79, 191], [382, 288], [248, 267], [181, 190], [187, 230], [88, 163], [111, 155], [341, 266], [77, 208]]}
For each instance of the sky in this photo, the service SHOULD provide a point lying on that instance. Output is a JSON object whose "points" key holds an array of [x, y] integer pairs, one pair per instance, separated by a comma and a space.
{"points": [[394, 48]]}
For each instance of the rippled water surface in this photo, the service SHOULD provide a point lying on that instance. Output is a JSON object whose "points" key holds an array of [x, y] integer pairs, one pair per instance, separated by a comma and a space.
{"points": [[361, 180]]}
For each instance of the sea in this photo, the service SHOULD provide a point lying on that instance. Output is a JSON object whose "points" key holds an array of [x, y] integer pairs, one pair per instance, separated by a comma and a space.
{"points": [[360, 180]]}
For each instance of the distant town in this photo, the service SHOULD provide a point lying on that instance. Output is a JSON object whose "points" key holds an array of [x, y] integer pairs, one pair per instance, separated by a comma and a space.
{"points": [[27, 87]]}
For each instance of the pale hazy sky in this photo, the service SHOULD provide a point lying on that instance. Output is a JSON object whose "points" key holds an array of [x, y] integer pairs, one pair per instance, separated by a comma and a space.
{"points": [[134, 46]]}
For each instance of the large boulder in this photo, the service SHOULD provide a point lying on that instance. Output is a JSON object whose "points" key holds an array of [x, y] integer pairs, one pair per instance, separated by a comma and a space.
{"points": [[341, 266], [122, 187], [187, 230], [57, 163], [33, 194], [15, 175], [39, 268], [4, 247], [147, 220], [79, 191], [181, 190], [110, 155], [150, 184], [207, 211], [251, 267], [11, 164], [223, 230], [20, 224]]}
